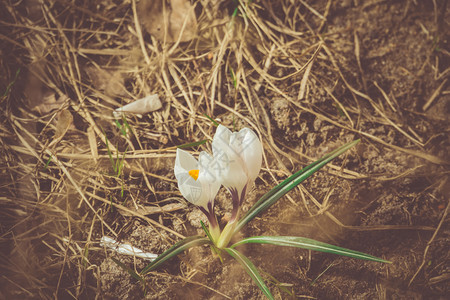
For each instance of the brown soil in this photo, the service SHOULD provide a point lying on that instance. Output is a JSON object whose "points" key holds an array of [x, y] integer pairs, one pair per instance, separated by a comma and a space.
{"points": [[307, 76]]}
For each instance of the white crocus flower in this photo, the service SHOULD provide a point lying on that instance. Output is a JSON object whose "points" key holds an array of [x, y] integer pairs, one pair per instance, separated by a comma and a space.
{"points": [[239, 155], [198, 182]]}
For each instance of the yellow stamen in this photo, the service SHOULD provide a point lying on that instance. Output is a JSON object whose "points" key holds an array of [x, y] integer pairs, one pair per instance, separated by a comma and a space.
{"points": [[194, 174]]}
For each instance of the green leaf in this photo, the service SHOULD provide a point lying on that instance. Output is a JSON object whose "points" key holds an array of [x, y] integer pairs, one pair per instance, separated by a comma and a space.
{"points": [[212, 120], [280, 190], [47, 163], [125, 123], [310, 244], [8, 88], [251, 270], [182, 245], [233, 77], [235, 12], [85, 256], [121, 128], [121, 163], [206, 231]]}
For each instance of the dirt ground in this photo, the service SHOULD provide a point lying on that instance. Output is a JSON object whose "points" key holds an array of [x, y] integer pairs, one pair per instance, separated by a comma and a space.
{"points": [[306, 76]]}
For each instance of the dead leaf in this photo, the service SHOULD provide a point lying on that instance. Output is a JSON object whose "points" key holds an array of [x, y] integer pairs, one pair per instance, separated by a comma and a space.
{"points": [[142, 106], [167, 20]]}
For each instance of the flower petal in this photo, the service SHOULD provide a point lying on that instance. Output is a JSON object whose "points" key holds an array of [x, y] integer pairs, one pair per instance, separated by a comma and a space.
{"points": [[202, 190], [185, 161], [226, 152], [240, 155], [208, 175], [188, 186], [251, 153]]}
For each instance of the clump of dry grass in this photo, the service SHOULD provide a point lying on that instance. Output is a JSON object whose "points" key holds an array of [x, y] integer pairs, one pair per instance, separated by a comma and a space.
{"points": [[78, 61]]}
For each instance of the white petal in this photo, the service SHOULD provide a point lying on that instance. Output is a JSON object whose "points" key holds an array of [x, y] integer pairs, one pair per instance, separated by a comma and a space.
{"points": [[222, 136], [209, 169], [231, 168], [192, 189], [208, 175], [202, 190], [185, 160], [251, 153], [240, 155], [223, 132], [188, 186]]}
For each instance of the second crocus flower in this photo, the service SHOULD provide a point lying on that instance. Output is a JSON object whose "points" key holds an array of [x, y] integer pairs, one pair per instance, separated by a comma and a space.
{"points": [[239, 155]]}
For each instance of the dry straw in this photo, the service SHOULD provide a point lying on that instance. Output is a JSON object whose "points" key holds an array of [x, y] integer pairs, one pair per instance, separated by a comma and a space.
{"points": [[59, 194]]}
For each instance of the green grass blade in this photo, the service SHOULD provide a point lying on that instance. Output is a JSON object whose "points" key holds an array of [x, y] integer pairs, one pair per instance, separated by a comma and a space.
{"points": [[235, 12], [121, 163], [47, 163], [280, 190], [212, 120], [179, 247], [8, 88], [84, 259], [125, 123], [251, 270], [233, 77], [310, 244], [121, 128]]}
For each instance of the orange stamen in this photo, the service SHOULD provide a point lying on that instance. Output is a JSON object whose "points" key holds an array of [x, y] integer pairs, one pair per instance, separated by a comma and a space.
{"points": [[194, 174]]}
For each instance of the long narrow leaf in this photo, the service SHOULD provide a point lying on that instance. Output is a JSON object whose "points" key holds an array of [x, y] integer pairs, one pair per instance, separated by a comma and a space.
{"points": [[280, 190], [305, 243], [208, 234], [323, 161], [8, 88], [212, 120], [251, 270], [182, 245]]}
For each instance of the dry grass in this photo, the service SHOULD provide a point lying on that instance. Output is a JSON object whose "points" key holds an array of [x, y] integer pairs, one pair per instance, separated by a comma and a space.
{"points": [[59, 192]]}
